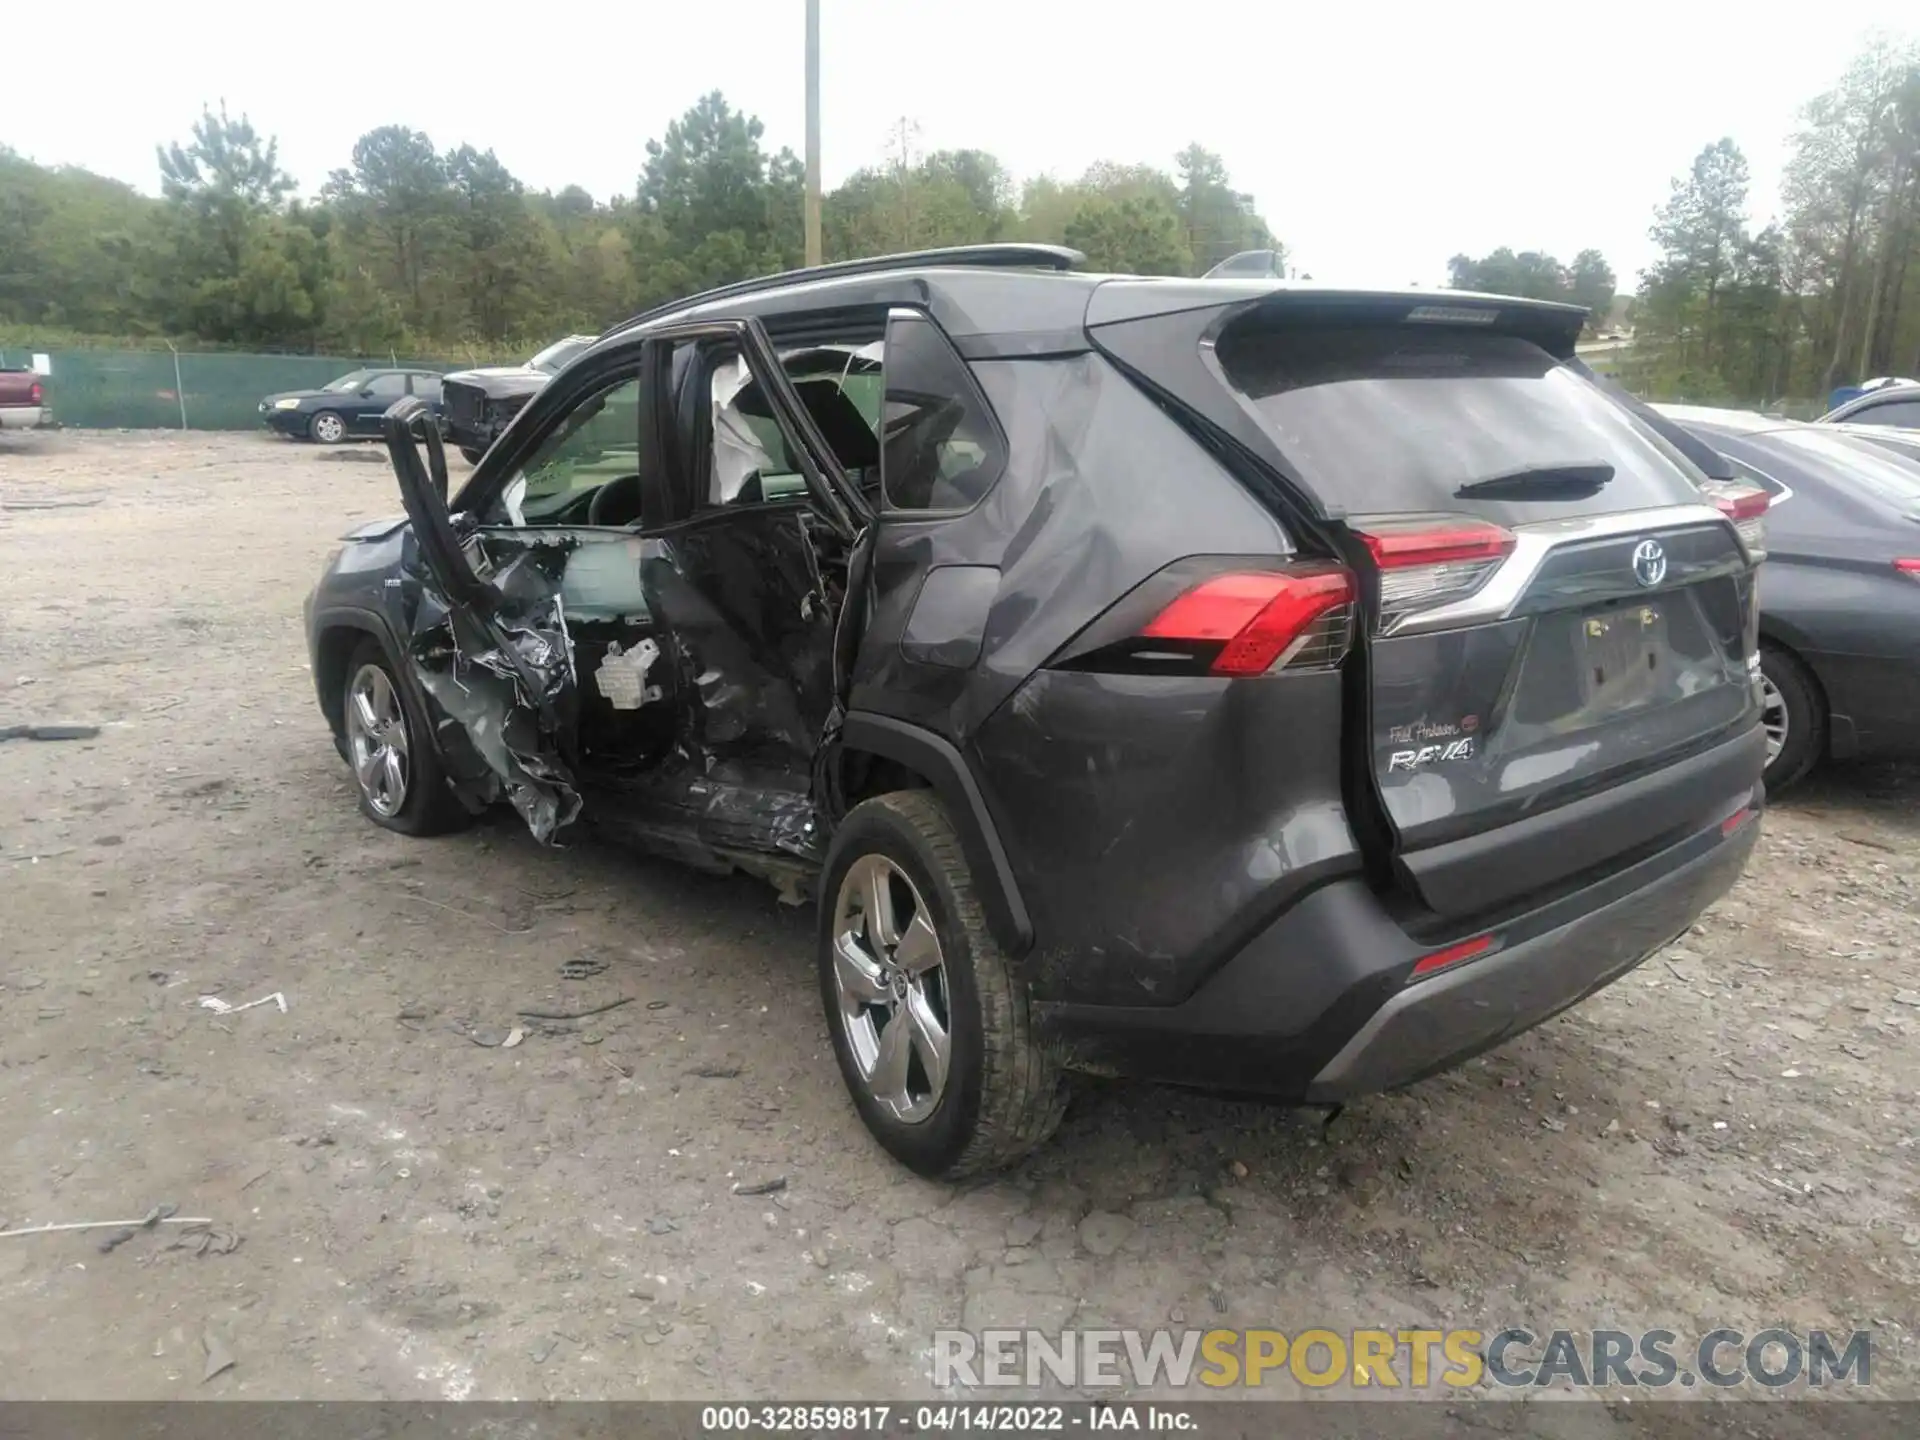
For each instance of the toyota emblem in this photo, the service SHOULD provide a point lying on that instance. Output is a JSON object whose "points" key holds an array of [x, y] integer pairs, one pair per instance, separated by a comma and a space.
{"points": [[1649, 563]]}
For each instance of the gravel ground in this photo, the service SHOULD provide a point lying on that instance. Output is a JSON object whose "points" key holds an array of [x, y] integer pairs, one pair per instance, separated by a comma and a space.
{"points": [[1727, 1137]]}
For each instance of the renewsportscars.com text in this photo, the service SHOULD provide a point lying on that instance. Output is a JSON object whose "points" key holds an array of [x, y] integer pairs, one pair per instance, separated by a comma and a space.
{"points": [[1400, 1359]]}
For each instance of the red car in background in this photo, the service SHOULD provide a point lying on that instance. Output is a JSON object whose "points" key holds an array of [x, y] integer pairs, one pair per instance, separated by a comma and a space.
{"points": [[23, 400]]}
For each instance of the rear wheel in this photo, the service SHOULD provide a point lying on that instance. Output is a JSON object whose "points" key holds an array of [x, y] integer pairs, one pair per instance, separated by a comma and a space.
{"points": [[930, 1025], [1795, 717], [327, 428], [398, 775]]}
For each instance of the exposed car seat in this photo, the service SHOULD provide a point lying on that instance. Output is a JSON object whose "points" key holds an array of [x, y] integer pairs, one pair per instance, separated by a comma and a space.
{"points": [[842, 426]]}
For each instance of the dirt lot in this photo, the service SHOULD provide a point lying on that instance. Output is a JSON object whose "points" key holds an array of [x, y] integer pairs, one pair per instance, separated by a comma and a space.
{"points": [[1728, 1137]]}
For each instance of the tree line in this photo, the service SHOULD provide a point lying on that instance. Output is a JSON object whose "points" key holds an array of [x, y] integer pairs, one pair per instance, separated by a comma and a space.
{"points": [[414, 249], [1828, 292]]}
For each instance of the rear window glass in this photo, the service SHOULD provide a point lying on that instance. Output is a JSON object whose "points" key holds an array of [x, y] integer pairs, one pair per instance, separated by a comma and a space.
{"points": [[1395, 419], [941, 449], [1857, 464], [1903, 413]]}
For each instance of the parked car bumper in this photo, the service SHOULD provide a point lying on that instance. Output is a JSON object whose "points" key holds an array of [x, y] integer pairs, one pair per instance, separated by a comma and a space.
{"points": [[22, 417], [1323, 1006], [465, 437]]}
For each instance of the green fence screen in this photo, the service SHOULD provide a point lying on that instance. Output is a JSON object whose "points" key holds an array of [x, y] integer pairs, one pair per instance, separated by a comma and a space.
{"points": [[143, 390]]}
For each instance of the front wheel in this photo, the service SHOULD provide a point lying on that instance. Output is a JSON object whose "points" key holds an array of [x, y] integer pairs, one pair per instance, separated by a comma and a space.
{"points": [[395, 769], [327, 428], [931, 1027]]}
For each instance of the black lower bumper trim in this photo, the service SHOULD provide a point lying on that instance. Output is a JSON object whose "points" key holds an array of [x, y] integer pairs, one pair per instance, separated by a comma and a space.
{"points": [[1318, 1008]]}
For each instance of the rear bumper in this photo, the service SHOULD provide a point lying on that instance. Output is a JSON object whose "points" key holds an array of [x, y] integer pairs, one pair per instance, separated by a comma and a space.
{"points": [[21, 417], [1435, 1023], [1321, 1006]]}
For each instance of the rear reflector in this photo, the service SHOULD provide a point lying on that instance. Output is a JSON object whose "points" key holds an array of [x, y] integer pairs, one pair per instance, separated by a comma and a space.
{"points": [[1746, 506], [1734, 821], [1428, 560], [1908, 567], [1262, 620], [1452, 955]]}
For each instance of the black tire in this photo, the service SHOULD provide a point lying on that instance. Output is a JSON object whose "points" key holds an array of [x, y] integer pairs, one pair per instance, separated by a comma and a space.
{"points": [[471, 454], [429, 806], [1004, 1092], [337, 430], [1805, 709]]}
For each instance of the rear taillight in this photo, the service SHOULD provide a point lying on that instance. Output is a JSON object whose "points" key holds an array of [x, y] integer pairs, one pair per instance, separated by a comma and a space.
{"points": [[1429, 560], [34, 393], [1251, 622], [1746, 507], [1908, 568]]}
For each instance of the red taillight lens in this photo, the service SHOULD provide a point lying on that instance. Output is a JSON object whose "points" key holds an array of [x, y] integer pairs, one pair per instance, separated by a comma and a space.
{"points": [[1261, 620], [34, 393], [1418, 540], [1429, 560], [1910, 568], [1452, 955], [1746, 506]]}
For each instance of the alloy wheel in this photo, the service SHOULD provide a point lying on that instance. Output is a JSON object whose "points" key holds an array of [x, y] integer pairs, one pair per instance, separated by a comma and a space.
{"points": [[891, 981], [328, 428], [377, 740], [1773, 718]]}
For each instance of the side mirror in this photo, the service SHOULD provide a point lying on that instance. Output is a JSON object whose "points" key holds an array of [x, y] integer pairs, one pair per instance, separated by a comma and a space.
{"points": [[367, 394]]}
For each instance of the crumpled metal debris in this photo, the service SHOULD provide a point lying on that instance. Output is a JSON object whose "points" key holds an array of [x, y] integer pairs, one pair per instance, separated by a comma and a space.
{"points": [[113, 1241], [219, 1355], [208, 1240], [508, 682], [58, 730]]}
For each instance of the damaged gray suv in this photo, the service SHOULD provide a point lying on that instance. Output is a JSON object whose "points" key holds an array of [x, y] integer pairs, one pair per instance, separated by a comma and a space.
{"points": [[1230, 683]]}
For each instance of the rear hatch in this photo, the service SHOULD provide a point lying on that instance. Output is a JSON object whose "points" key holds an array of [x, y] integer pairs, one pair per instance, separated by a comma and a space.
{"points": [[1556, 617]]}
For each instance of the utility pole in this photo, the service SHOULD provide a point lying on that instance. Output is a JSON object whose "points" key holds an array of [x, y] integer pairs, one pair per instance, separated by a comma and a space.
{"points": [[813, 132]]}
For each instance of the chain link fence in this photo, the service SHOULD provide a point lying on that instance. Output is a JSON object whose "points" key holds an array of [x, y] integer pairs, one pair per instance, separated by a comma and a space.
{"points": [[165, 390]]}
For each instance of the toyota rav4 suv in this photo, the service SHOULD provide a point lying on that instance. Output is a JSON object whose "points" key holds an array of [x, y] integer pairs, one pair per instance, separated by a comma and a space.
{"points": [[1231, 683]]}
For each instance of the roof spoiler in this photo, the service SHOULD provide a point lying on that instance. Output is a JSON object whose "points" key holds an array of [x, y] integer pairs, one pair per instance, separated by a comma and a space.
{"points": [[1553, 326]]}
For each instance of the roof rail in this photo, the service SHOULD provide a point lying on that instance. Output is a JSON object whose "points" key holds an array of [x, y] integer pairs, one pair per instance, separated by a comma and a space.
{"points": [[1009, 256]]}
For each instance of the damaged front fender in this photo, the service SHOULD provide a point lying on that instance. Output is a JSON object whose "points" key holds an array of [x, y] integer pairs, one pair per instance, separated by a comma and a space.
{"points": [[488, 644]]}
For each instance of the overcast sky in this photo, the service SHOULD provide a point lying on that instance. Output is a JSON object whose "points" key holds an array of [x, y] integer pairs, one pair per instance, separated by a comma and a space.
{"points": [[1378, 139]]}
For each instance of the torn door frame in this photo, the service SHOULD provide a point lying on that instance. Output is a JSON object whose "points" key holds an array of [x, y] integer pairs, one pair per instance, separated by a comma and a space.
{"points": [[495, 655], [489, 643]]}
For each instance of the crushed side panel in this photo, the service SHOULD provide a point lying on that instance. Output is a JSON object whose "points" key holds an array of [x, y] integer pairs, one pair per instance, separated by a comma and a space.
{"points": [[507, 680]]}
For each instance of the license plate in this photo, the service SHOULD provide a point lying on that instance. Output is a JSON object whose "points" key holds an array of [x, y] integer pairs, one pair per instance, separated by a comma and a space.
{"points": [[1622, 655]]}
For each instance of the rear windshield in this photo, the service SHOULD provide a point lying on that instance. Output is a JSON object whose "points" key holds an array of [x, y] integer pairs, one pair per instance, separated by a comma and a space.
{"points": [[1860, 465], [1395, 419]]}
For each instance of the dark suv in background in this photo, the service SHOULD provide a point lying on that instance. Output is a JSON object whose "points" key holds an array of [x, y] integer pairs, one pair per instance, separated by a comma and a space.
{"points": [[1282, 689], [479, 403]]}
